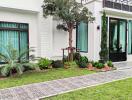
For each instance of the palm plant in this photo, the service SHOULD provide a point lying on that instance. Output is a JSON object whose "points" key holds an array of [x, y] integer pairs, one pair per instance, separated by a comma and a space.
{"points": [[13, 59]]}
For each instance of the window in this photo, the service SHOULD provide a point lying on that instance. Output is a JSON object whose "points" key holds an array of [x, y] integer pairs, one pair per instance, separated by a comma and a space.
{"points": [[82, 37], [129, 37], [14, 33]]}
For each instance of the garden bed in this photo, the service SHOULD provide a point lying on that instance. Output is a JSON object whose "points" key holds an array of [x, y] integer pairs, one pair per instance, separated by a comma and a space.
{"points": [[100, 67], [105, 69], [30, 77]]}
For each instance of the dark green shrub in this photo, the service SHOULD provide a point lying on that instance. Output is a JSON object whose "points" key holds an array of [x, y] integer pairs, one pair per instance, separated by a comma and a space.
{"points": [[57, 64], [76, 56], [95, 64], [44, 63], [100, 65], [110, 64], [83, 61]]}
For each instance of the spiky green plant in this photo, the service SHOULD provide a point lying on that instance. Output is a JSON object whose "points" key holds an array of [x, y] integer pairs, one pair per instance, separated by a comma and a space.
{"points": [[14, 60]]}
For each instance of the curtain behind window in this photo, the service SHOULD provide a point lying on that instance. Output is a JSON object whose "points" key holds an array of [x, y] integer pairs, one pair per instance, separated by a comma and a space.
{"points": [[82, 37], [13, 34], [130, 37]]}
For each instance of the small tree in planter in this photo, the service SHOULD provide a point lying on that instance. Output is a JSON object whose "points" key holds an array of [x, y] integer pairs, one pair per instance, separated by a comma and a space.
{"points": [[104, 49], [70, 12]]}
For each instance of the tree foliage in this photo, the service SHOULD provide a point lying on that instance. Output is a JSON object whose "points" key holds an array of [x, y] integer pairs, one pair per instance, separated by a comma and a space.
{"points": [[104, 48], [70, 12]]}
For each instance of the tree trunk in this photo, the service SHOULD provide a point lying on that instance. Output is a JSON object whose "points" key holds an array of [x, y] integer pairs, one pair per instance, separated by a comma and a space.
{"points": [[70, 29]]}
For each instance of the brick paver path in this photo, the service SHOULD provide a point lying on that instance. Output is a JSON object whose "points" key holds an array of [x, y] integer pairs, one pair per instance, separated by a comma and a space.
{"points": [[51, 88]]}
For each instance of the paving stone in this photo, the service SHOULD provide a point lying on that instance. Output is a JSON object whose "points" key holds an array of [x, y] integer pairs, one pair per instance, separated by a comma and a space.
{"points": [[51, 88]]}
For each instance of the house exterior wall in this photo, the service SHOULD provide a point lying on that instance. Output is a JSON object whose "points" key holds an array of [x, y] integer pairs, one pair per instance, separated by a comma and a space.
{"points": [[43, 35], [31, 19], [32, 5], [94, 34]]}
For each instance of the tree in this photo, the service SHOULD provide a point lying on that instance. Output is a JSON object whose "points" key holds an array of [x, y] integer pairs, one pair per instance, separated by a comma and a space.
{"points": [[70, 12], [104, 49]]}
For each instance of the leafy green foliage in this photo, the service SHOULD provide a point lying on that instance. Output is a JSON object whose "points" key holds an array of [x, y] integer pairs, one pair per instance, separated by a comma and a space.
{"points": [[70, 12], [44, 63], [30, 66], [110, 64], [13, 60], [76, 56], [57, 64], [95, 64], [82, 62], [98, 65], [104, 49]]}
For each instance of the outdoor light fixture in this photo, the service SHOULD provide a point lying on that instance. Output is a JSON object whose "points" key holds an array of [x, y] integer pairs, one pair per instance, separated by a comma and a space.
{"points": [[98, 27]]}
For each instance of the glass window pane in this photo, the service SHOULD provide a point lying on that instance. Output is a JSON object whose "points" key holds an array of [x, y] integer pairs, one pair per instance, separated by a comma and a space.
{"points": [[122, 39], [9, 36], [113, 36], [23, 42], [82, 37], [130, 37]]}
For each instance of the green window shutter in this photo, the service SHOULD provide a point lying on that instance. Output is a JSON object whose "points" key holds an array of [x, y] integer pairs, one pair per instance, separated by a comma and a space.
{"points": [[82, 37]]}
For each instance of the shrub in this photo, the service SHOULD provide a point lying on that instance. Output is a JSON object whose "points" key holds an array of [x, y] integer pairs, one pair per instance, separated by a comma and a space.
{"points": [[100, 65], [30, 66], [110, 64], [95, 64], [76, 56], [44, 63], [57, 64], [82, 63], [14, 60]]}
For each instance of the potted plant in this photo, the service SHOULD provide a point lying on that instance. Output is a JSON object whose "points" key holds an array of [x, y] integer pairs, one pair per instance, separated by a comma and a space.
{"points": [[90, 66]]}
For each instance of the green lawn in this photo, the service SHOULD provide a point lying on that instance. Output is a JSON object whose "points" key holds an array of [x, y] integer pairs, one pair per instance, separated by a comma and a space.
{"points": [[120, 90], [35, 77]]}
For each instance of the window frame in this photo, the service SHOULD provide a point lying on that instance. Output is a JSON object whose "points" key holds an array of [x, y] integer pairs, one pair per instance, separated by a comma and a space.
{"points": [[77, 39], [19, 30]]}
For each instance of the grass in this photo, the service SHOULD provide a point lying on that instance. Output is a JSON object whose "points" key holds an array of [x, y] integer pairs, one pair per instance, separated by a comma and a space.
{"points": [[35, 77], [120, 90]]}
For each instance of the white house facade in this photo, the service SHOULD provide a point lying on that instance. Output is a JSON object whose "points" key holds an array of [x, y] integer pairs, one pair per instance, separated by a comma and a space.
{"points": [[22, 23]]}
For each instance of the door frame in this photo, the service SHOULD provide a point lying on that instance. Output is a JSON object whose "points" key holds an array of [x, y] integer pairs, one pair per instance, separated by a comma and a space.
{"points": [[118, 35]]}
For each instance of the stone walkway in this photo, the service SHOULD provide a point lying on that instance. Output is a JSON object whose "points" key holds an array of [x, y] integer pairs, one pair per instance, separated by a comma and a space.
{"points": [[123, 65], [51, 88]]}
